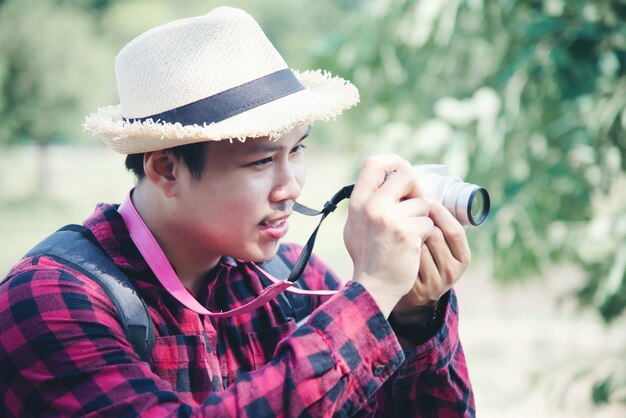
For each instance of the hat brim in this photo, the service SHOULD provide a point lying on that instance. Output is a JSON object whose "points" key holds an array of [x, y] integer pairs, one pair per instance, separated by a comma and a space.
{"points": [[324, 97]]}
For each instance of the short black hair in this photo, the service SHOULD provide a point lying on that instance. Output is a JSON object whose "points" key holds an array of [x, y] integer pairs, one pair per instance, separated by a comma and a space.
{"points": [[192, 155]]}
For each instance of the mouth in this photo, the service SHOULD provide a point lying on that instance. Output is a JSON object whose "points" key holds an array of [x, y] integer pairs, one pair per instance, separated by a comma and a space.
{"points": [[273, 222], [274, 228]]}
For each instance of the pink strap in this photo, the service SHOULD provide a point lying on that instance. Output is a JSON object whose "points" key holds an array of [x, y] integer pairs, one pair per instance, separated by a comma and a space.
{"points": [[158, 262]]}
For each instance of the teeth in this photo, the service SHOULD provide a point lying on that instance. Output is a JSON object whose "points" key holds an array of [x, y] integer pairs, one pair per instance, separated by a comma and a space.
{"points": [[274, 223]]}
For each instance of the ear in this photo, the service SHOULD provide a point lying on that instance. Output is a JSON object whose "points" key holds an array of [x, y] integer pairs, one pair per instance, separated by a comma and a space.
{"points": [[160, 168]]}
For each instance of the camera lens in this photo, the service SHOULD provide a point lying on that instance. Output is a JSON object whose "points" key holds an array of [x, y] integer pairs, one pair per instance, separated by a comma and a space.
{"points": [[467, 202], [478, 206]]}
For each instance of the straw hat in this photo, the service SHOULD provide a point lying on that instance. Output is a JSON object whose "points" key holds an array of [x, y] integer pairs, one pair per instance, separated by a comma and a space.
{"points": [[209, 78]]}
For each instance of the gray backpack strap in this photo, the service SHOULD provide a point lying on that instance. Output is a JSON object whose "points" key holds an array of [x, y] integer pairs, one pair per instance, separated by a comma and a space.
{"points": [[75, 247]]}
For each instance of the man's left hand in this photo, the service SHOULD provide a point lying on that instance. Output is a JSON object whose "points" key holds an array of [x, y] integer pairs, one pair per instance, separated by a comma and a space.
{"points": [[444, 258]]}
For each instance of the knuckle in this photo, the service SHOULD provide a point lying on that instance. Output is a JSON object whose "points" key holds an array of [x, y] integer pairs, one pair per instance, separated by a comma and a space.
{"points": [[419, 247], [436, 233], [382, 160], [371, 211], [372, 162], [405, 165], [387, 224], [448, 273], [457, 234]]}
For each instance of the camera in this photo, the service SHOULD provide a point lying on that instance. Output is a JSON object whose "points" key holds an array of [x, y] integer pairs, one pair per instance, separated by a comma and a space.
{"points": [[468, 203]]}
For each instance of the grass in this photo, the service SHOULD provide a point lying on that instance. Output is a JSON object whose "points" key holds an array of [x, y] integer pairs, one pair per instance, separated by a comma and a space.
{"points": [[527, 356]]}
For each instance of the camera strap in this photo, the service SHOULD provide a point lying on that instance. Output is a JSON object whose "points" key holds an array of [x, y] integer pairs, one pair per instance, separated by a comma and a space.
{"points": [[307, 250], [163, 270]]}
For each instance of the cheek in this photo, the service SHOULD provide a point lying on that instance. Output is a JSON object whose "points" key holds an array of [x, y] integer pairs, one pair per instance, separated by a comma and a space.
{"points": [[301, 175], [238, 207], [224, 226], [212, 208], [298, 170], [235, 203]]}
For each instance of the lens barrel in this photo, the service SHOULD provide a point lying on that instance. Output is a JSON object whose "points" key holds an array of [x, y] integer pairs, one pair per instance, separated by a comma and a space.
{"points": [[472, 205], [468, 203]]}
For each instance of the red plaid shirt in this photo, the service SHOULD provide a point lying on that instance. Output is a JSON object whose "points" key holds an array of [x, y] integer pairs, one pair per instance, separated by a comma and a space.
{"points": [[63, 353]]}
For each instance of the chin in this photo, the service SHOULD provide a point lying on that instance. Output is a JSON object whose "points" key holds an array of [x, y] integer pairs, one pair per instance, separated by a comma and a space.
{"points": [[266, 252], [258, 254]]}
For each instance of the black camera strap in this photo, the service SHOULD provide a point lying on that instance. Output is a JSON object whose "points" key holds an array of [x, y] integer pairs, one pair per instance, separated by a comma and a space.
{"points": [[307, 250]]}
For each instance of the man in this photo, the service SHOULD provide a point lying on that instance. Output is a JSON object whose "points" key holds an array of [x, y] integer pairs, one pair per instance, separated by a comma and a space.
{"points": [[214, 122]]}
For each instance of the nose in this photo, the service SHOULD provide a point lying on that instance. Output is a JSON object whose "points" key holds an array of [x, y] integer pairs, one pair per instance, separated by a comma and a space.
{"points": [[288, 183]]}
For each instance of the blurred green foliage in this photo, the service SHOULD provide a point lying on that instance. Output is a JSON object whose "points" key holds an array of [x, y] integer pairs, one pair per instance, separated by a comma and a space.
{"points": [[526, 98], [50, 53]]}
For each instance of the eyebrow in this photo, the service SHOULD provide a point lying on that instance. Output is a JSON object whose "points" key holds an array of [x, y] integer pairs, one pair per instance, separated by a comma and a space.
{"points": [[264, 147]]}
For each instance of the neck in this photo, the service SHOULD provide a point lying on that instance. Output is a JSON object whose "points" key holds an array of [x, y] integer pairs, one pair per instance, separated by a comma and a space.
{"points": [[159, 215]]}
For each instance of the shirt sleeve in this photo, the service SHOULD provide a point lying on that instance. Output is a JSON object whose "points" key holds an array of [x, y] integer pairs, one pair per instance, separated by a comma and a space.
{"points": [[63, 353], [433, 379]]}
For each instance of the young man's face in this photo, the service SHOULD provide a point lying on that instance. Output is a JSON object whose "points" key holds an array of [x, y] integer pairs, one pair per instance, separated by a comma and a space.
{"points": [[240, 205]]}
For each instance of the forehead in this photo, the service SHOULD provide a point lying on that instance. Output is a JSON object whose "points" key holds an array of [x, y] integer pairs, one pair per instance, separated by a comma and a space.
{"points": [[261, 145]]}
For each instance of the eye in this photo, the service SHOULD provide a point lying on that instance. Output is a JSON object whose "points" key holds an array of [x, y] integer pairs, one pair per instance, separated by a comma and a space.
{"points": [[260, 163], [297, 149], [264, 162]]}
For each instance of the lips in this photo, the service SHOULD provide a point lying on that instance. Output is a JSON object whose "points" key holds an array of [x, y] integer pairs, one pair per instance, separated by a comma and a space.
{"points": [[271, 223], [274, 227], [274, 221]]}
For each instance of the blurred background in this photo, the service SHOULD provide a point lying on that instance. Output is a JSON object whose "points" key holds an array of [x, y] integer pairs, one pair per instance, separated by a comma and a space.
{"points": [[526, 98]]}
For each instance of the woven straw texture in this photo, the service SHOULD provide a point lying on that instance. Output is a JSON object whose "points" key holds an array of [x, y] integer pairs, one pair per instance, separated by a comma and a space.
{"points": [[187, 60]]}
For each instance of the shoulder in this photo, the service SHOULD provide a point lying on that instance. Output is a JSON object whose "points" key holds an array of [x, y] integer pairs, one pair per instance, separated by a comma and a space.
{"points": [[59, 324], [51, 309], [43, 288]]}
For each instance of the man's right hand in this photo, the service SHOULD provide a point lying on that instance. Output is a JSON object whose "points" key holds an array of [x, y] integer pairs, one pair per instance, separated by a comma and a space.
{"points": [[386, 227]]}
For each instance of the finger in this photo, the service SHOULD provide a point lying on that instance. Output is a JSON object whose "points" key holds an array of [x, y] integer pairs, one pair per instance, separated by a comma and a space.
{"points": [[448, 267], [412, 207], [419, 228], [428, 271], [453, 231], [373, 174], [399, 185]]}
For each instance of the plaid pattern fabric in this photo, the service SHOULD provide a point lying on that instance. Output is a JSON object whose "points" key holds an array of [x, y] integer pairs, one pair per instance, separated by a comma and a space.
{"points": [[63, 353]]}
